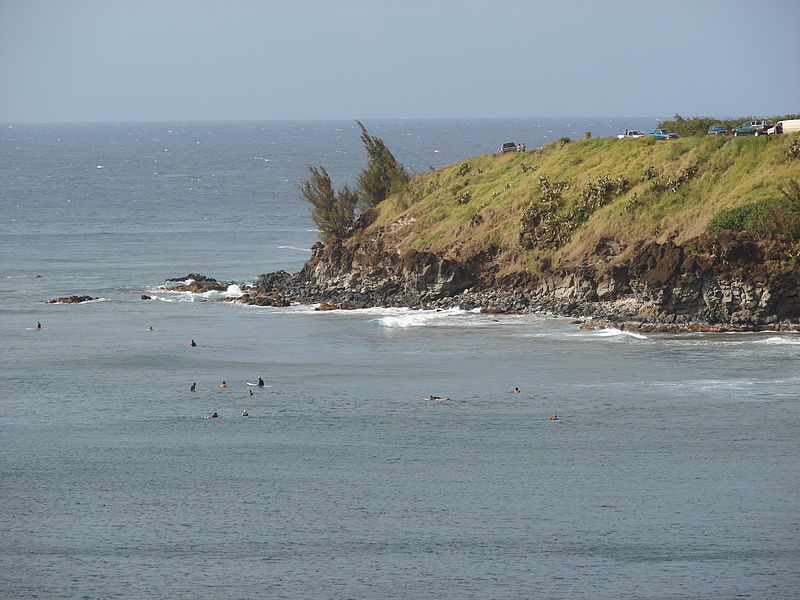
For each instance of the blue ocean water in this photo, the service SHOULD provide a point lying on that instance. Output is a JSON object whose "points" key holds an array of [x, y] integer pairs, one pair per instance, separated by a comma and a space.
{"points": [[672, 472]]}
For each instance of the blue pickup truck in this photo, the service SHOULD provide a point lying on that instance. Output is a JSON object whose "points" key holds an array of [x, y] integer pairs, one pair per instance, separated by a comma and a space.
{"points": [[663, 134]]}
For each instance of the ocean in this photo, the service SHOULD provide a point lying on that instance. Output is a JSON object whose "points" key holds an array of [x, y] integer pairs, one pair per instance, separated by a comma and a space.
{"points": [[671, 472]]}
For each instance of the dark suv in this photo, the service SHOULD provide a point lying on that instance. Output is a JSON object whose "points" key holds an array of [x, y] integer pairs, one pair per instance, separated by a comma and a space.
{"points": [[751, 128]]}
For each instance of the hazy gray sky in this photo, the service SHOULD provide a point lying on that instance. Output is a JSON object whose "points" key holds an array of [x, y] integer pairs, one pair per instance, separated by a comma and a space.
{"points": [[159, 60]]}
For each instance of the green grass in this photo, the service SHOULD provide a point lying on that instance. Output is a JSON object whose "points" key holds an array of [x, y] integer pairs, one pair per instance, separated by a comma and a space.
{"points": [[726, 173]]}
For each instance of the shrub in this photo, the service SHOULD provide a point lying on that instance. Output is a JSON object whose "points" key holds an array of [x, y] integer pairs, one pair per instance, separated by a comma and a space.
{"points": [[383, 173], [793, 151], [332, 213], [776, 215]]}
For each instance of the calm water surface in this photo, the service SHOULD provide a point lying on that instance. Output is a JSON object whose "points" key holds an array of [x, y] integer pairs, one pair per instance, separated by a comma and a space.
{"points": [[672, 472]]}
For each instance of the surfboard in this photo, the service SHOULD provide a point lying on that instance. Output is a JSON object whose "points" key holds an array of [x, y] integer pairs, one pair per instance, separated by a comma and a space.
{"points": [[256, 385]]}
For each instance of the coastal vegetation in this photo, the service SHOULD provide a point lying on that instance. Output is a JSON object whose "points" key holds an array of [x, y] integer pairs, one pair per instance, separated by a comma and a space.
{"points": [[529, 210], [383, 174], [334, 213]]}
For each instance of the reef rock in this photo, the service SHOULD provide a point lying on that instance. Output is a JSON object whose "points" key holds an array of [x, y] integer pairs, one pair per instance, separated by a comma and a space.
{"points": [[71, 300]]}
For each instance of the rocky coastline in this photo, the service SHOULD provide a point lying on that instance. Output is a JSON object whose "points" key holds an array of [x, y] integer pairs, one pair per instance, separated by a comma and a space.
{"points": [[727, 281]]}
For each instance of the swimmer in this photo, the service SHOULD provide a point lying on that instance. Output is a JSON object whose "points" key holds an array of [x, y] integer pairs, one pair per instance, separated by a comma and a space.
{"points": [[554, 418], [211, 416], [193, 386], [260, 382], [516, 390], [245, 413], [223, 384], [438, 398], [193, 344]]}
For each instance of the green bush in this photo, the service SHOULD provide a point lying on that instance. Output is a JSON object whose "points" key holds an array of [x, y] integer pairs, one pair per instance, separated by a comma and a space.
{"points": [[775, 215]]}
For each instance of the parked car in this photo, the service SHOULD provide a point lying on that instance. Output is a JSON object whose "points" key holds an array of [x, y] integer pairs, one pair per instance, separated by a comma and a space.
{"points": [[788, 126], [751, 128], [718, 130], [631, 133], [508, 147], [663, 134]]}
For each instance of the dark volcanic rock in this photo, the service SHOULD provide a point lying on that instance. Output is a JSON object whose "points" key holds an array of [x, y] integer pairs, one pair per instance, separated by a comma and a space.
{"points": [[271, 299], [717, 281], [194, 276], [71, 300]]}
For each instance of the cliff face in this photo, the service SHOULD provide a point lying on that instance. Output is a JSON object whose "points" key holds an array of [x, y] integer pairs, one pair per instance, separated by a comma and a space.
{"points": [[723, 279], [719, 281]]}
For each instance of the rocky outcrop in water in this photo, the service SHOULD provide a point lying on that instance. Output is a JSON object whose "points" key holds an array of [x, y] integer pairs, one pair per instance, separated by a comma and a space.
{"points": [[198, 284], [722, 281], [71, 300]]}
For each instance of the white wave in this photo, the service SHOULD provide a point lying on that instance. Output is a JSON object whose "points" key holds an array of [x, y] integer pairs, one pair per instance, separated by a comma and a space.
{"points": [[22, 276], [295, 248], [405, 318], [780, 340], [614, 332], [262, 158], [164, 294]]}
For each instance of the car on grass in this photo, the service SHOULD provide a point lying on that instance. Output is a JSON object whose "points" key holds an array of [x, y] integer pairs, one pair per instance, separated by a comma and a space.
{"points": [[508, 147], [751, 128], [631, 133], [787, 126], [663, 134], [718, 130]]}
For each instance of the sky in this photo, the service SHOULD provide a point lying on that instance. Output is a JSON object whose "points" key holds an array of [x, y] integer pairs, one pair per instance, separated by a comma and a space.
{"points": [[203, 60]]}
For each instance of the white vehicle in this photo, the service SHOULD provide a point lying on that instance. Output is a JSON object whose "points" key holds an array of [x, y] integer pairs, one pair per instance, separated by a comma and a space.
{"points": [[630, 133], [788, 126]]}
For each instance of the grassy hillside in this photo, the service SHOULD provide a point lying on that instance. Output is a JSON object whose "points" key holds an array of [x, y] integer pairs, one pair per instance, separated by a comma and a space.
{"points": [[555, 203]]}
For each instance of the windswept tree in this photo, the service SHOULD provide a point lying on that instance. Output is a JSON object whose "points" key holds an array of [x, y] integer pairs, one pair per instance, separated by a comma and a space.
{"points": [[383, 173], [332, 212]]}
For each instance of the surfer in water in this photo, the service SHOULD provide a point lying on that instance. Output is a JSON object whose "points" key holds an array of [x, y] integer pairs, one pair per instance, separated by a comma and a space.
{"points": [[193, 386], [260, 382], [516, 390], [211, 416], [245, 413], [223, 384], [193, 344], [554, 418], [251, 392], [38, 325]]}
